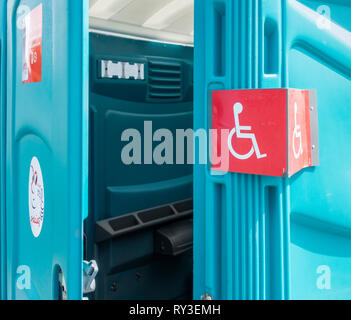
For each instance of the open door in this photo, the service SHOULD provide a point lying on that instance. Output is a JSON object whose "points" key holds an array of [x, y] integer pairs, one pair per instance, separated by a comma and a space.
{"points": [[46, 156]]}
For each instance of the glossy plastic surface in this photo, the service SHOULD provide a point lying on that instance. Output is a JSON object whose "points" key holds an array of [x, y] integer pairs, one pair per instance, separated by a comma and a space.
{"points": [[3, 6], [275, 238], [164, 99], [47, 120]]}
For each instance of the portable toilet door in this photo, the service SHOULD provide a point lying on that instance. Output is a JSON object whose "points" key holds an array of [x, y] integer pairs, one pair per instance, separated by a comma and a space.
{"points": [[46, 155], [2, 144], [260, 237]]}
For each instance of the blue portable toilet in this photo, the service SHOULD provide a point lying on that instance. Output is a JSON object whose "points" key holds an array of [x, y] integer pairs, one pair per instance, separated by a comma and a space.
{"points": [[69, 87], [259, 237], [68, 91]]}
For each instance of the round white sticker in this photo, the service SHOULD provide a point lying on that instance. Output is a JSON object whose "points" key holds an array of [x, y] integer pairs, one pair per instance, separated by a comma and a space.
{"points": [[36, 197]]}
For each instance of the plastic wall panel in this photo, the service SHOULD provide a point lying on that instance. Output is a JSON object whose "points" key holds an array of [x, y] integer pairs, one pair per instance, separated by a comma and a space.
{"points": [[117, 189], [119, 104], [273, 238], [3, 6], [47, 120], [320, 202]]}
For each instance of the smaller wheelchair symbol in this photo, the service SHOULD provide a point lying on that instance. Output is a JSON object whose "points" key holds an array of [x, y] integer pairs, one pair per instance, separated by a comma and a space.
{"points": [[297, 135], [238, 130]]}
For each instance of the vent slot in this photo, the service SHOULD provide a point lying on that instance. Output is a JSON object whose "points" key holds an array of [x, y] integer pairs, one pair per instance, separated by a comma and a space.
{"points": [[123, 223], [165, 80], [157, 213], [184, 206]]}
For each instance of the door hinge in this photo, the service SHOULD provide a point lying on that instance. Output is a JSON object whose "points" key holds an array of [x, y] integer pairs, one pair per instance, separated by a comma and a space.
{"points": [[90, 270]]}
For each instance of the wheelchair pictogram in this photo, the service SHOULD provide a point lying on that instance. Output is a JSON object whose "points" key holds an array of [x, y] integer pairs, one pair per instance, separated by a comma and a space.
{"points": [[238, 130], [297, 135]]}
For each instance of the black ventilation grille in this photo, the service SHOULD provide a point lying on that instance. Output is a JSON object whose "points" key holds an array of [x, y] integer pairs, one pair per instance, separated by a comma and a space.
{"points": [[165, 80]]}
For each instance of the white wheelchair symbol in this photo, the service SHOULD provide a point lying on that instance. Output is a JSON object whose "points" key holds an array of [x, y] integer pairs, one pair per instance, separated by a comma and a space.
{"points": [[238, 109], [298, 135]]}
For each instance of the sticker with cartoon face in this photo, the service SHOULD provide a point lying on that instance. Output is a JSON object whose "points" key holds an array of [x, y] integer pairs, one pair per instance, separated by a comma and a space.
{"points": [[36, 197]]}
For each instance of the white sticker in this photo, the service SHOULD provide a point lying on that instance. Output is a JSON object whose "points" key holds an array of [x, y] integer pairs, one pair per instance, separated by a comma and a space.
{"points": [[36, 197]]}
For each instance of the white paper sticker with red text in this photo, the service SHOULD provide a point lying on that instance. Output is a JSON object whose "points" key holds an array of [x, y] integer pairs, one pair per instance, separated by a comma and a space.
{"points": [[36, 197]]}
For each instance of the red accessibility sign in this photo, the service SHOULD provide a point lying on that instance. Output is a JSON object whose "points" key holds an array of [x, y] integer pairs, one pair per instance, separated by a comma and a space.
{"points": [[271, 132]]}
